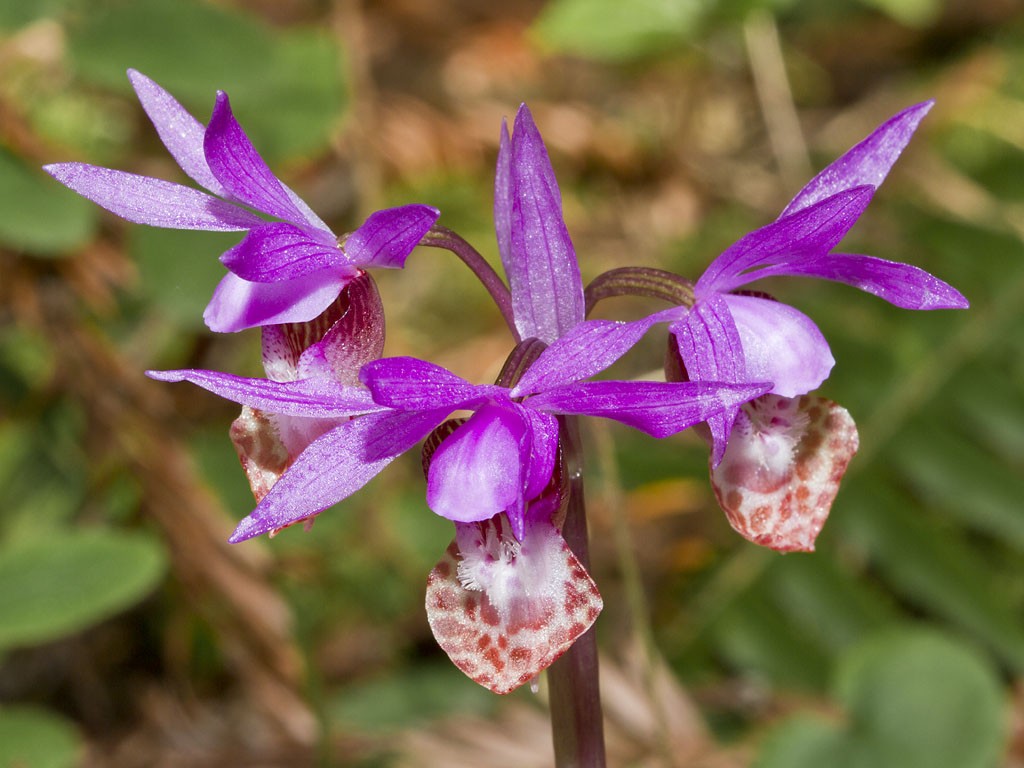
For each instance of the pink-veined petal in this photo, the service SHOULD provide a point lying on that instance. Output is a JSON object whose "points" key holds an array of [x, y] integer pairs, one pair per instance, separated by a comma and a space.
{"points": [[314, 398], [278, 251], [585, 350], [811, 232], [239, 304], [904, 285], [409, 383], [544, 276], [387, 237], [504, 610], [780, 344], [336, 465], [710, 347], [181, 133], [782, 469], [659, 408], [480, 469], [866, 163], [239, 168], [145, 200]]}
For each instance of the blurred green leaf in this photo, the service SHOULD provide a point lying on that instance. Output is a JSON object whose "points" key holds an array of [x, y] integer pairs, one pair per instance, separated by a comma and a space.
{"points": [[18, 13], [913, 13], [611, 29], [914, 699], [40, 216], [36, 738], [286, 86], [61, 584]]}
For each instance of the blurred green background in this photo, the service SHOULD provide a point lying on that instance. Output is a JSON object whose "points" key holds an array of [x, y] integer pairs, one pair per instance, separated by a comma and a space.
{"points": [[131, 634]]}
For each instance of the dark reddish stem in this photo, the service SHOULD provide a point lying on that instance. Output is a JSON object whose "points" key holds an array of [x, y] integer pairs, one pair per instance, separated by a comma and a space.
{"points": [[442, 237], [577, 724]]}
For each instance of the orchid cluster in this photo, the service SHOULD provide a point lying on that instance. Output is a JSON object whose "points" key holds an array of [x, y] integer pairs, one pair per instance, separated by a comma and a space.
{"points": [[510, 596]]}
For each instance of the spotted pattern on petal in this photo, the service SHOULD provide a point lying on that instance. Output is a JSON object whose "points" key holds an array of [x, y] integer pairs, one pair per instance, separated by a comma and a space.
{"points": [[504, 610], [260, 449], [782, 469]]}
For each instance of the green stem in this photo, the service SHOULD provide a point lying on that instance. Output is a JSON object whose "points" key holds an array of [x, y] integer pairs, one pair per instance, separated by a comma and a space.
{"points": [[577, 725]]}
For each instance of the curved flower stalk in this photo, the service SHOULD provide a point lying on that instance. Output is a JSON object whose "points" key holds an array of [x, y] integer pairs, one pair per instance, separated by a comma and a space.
{"points": [[283, 271]]}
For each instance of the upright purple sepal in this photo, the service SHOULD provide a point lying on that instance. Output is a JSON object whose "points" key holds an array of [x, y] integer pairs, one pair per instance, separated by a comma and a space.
{"points": [[544, 277], [387, 237], [866, 163]]}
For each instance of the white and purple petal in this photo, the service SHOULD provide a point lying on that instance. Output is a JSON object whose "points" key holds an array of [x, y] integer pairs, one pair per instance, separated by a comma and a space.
{"points": [[868, 162], [780, 344], [145, 200], [239, 304]]}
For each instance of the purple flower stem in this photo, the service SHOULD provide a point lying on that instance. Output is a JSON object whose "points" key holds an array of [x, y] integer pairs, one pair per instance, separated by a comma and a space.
{"points": [[639, 281], [442, 237], [577, 725]]}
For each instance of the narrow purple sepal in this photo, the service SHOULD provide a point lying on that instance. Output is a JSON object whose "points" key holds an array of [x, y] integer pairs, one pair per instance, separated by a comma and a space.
{"points": [[658, 408], [181, 133], [479, 470], [311, 398], [503, 199], [336, 465], [587, 349], [811, 232], [710, 347], [387, 237], [144, 200], [904, 285], [543, 453], [544, 276], [868, 162], [780, 344], [278, 251], [408, 383], [239, 304], [240, 169]]}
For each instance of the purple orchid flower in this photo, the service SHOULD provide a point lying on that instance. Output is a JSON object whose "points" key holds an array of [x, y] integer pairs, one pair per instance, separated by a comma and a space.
{"points": [[282, 271], [729, 336]]}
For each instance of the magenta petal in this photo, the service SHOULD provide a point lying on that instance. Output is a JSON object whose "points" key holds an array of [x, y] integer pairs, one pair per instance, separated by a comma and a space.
{"points": [[387, 237], [544, 277], [710, 347], [658, 408], [312, 398], [900, 284], [277, 251], [585, 350], [543, 452], [866, 163], [478, 470], [145, 200], [780, 344], [336, 465], [238, 304], [181, 133], [811, 232], [240, 169], [412, 384]]}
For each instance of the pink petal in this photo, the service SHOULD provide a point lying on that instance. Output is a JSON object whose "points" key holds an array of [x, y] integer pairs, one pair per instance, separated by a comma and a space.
{"points": [[240, 169], [278, 251], [387, 237], [503, 610], [780, 345], [181, 133], [238, 304], [479, 470], [503, 198], [144, 200], [866, 163], [782, 470], [409, 383]]}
